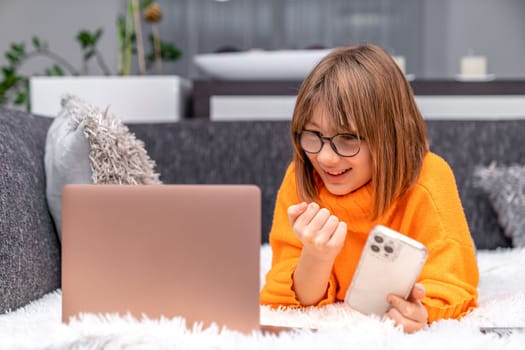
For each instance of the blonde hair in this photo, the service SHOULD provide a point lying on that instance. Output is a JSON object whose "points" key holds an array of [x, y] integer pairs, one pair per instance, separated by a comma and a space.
{"points": [[364, 90]]}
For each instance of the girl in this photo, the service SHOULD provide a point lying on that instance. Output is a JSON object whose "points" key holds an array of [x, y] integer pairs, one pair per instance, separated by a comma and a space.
{"points": [[361, 158]]}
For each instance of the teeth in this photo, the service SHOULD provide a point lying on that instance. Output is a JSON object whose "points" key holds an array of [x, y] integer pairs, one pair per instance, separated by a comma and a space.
{"points": [[338, 173]]}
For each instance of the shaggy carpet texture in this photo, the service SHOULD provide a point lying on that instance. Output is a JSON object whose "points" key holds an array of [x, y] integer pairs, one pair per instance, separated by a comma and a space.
{"points": [[501, 299]]}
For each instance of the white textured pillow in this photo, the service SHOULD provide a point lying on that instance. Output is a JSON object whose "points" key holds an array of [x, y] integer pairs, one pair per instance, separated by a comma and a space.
{"points": [[87, 145], [505, 186]]}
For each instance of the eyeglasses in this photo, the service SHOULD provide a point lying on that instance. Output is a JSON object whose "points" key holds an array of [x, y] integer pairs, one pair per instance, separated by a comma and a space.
{"points": [[345, 145]]}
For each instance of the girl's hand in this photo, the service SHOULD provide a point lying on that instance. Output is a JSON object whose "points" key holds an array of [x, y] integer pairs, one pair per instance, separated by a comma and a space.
{"points": [[320, 232], [323, 236], [411, 314]]}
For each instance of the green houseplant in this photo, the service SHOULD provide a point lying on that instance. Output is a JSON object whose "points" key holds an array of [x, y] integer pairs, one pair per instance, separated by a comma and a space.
{"points": [[15, 84]]}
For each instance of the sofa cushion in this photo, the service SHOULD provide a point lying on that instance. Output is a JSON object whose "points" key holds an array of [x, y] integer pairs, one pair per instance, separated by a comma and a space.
{"points": [[87, 145], [468, 144], [203, 151], [29, 248], [505, 187], [236, 152]]}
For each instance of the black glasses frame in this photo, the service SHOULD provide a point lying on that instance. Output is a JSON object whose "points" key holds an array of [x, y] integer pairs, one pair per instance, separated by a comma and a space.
{"points": [[324, 139]]}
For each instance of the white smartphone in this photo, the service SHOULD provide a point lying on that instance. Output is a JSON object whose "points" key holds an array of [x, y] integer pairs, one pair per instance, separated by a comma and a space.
{"points": [[390, 263]]}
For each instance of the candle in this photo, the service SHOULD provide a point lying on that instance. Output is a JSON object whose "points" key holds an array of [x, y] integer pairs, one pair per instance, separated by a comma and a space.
{"points": [[400, 61], [473, 65]]}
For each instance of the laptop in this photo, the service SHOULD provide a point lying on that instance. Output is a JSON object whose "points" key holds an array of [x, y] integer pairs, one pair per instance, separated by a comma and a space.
{"points": [[163, 251]]}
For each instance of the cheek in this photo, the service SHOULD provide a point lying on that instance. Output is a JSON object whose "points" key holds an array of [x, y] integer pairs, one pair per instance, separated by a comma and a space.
{"points": [[312, 158], [314, 161], [368, 167], [366, 161]]}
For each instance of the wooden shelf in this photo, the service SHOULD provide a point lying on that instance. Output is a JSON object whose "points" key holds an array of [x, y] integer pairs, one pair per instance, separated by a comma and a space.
{"points": [[204, 89]]}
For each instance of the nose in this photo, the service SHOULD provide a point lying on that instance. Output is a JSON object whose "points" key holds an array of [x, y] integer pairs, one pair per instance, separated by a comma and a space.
{"points": [[327, 155]]}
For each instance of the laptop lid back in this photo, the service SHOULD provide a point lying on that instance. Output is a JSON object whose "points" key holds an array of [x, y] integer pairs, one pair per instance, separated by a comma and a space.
{"points": [[163, 250]]}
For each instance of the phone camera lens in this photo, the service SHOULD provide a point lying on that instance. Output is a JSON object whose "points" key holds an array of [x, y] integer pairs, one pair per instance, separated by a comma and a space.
{"points": [[378, 239], [375, 248], [389, 249]]}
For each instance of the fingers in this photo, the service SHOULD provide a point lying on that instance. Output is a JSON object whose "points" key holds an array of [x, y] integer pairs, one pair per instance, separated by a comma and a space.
{"points": [[413, 310], [409, 326], [301, 214], [295, 210], [302, 219], [321, 227], [410, 313], [417, 293], [316, 226], [338, 238]]}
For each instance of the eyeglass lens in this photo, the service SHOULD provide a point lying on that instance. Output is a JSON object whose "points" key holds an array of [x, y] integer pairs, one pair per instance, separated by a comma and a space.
{"points": [[346, 145]]}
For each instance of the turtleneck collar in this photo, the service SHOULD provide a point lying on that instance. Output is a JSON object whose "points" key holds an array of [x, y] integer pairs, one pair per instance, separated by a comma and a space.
{"points": [[356, 206]]}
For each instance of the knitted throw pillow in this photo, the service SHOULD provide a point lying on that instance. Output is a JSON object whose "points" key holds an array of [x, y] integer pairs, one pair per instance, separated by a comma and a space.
{"points": [[505, 186], [88, 145]]}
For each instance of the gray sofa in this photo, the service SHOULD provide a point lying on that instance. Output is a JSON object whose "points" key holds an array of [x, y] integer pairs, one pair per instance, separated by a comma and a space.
{"points": [[200, 151]]}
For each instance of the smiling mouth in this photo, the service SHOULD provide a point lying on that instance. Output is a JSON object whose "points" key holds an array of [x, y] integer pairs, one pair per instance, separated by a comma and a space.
{"points": [[337, 173]]}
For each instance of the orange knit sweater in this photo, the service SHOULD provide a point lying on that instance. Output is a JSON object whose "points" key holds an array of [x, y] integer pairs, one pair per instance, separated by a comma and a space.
{"points": [[429, 212]]}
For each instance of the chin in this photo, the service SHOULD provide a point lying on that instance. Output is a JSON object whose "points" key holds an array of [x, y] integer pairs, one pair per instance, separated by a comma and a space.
{"points": [[340, 191]]}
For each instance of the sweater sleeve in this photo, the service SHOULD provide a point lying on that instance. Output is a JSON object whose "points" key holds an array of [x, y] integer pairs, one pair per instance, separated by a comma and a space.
{"points": [[286, 250], [450, 274], [450, 278]]}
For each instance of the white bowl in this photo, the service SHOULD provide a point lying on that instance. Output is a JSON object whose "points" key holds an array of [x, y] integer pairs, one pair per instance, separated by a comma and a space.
{"points": [[260, 65]]}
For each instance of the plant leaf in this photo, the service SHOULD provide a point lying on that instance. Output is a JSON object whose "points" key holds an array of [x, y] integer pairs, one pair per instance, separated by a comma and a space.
{"points": [[21, 98], [12, 58], [85, 39], [19, 49], [97, 35], [88, 54], [121, 25], [150, 58], [145, 3], [8, 71], [36, 42], [169, 51], [11, 81], [57, 70]]}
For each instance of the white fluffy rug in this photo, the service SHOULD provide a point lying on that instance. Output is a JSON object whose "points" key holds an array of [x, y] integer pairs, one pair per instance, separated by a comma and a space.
{"points": [[502, 303]]}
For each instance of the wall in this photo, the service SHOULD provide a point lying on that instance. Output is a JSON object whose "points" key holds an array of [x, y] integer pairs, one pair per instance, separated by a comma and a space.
{"points": [[433, 35], [493, 28], [58, 22]]}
